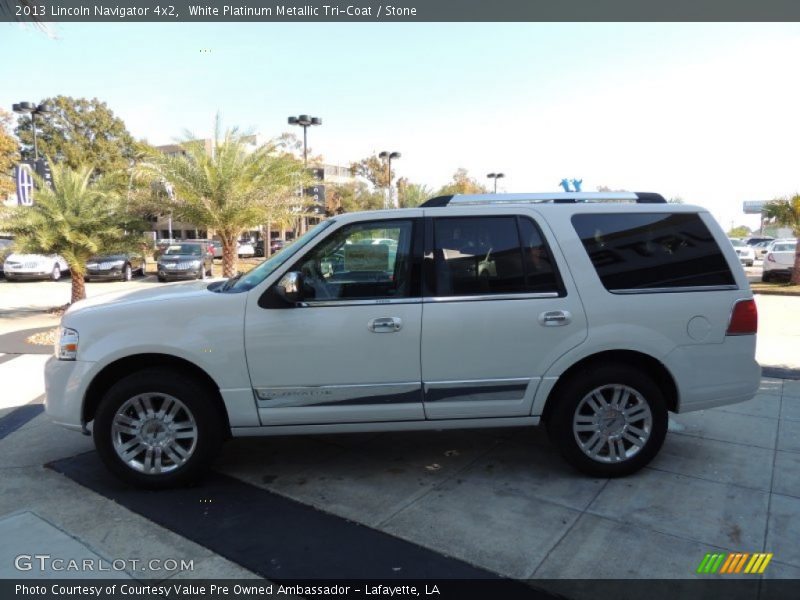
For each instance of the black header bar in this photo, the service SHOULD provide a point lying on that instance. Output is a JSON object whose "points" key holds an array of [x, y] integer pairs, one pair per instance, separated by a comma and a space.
{"points": [[367, 11]]}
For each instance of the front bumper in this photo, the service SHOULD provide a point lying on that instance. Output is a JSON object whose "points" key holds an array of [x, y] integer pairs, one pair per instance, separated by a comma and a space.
{"points": [[176, 274], [105, 274], [65, 383], [27, 274]]}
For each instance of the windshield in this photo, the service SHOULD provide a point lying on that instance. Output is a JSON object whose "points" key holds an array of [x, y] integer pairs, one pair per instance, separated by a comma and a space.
{"points": [[191, 249], [266, 268]]}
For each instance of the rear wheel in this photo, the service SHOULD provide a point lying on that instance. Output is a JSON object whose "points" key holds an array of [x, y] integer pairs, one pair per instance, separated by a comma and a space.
{"points": [[609, 420], [143, 269], [765, 276], [157, 428]]}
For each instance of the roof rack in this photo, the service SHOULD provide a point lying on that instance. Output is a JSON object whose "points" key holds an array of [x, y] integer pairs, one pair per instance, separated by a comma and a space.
{"points": [[551, 198]]}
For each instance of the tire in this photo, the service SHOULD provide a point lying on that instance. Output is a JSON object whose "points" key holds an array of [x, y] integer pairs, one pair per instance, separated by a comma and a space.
{"points": [[573, 425], [162, 279], [143, 269], [202, 273], [9, 277], [122, 424], [86, 279], [127, 273], [55, 274], [766, 277]]}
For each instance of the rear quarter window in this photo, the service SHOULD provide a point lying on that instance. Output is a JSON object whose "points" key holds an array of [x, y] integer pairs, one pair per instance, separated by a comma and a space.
{"points": [[652, 251]]}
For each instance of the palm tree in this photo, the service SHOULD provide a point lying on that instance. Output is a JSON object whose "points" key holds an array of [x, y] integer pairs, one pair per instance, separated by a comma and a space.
{"points": [[228, 187], [76, 218], [786, 213]]}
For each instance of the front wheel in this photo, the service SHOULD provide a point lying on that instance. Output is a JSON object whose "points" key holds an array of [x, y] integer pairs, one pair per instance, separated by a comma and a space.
{"points": [[55, 274], [127, 273], [609, 421], [157, 429]]}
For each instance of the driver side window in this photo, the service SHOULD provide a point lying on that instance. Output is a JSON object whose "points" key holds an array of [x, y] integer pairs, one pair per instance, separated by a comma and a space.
{"points": [[363, 261]]}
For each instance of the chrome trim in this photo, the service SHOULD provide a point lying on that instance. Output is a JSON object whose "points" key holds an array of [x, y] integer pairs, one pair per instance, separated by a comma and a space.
{"points": [[476, 390], [688, 288], [458, 200], [377, 302], [483, 297], [339, 395]]}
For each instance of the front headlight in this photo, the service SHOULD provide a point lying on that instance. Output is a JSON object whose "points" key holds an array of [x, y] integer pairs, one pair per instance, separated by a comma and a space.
{"points": [[66, 344], [195, 263]]}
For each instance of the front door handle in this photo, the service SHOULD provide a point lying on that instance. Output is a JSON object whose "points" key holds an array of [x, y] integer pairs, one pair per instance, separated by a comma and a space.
{"points": [[554, 318], [385, 325]]}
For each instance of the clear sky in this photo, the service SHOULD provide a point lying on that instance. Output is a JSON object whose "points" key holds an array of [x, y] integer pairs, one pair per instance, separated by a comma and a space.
{"points": [[708, 112]]}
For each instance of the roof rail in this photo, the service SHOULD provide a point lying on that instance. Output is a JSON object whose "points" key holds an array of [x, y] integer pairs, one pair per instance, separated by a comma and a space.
{"points": [[546, 198]]}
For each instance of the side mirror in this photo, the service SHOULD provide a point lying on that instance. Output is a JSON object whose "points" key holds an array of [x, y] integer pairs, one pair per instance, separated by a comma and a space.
{"points": [[290, 287]]}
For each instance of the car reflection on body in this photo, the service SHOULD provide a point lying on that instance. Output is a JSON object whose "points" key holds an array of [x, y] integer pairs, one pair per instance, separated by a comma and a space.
{"points": [[115, 266], [186, 260]]}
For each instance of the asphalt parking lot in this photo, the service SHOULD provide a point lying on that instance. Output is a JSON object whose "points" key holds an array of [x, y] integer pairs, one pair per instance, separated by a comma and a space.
{"points": [[727, 480]]}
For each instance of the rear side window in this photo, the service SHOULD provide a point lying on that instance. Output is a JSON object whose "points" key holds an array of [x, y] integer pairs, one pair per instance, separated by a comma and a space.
{"points": [[650, 251], [491, 255]]}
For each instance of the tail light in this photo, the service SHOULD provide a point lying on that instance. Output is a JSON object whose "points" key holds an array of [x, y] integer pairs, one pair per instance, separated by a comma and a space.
{"points": [[770, 258], [744, 318]]}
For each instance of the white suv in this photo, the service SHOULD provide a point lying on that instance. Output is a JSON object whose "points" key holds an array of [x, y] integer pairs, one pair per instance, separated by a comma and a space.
{"points": [[593, 313]]}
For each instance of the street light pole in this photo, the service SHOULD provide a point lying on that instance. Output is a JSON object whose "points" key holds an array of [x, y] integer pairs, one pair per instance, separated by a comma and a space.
{"points": [[24, 108], [495, 176], [305, 122], [388, 157]]}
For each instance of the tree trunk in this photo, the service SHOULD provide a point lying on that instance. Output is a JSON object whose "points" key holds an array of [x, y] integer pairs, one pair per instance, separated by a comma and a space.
{"points": [[78, 286], [229, 256], [796, 269]]}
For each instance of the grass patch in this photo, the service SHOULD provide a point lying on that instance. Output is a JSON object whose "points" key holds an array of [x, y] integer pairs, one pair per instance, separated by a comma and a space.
{"points": [[780, 288]]}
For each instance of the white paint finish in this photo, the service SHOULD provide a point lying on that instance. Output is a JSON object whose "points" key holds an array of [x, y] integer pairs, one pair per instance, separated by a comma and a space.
{"points": [[332, 345], [23, 379], [496, 339]]}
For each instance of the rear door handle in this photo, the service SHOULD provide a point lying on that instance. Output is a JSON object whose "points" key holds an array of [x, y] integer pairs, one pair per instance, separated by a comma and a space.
{"points": [[554, 318], [385, 325]]}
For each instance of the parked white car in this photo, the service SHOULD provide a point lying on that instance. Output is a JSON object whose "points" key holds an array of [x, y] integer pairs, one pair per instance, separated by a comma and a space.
{"points": [[34, 266], [779, 260], [596, 319], [245, 250], [745, 252]]}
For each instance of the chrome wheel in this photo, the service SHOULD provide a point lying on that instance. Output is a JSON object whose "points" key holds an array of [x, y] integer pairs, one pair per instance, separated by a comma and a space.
{"points": [[154, 433], [612, 423]]}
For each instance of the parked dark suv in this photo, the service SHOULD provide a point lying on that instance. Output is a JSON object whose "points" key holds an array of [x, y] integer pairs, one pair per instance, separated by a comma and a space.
{"points": [[185, 260]]}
